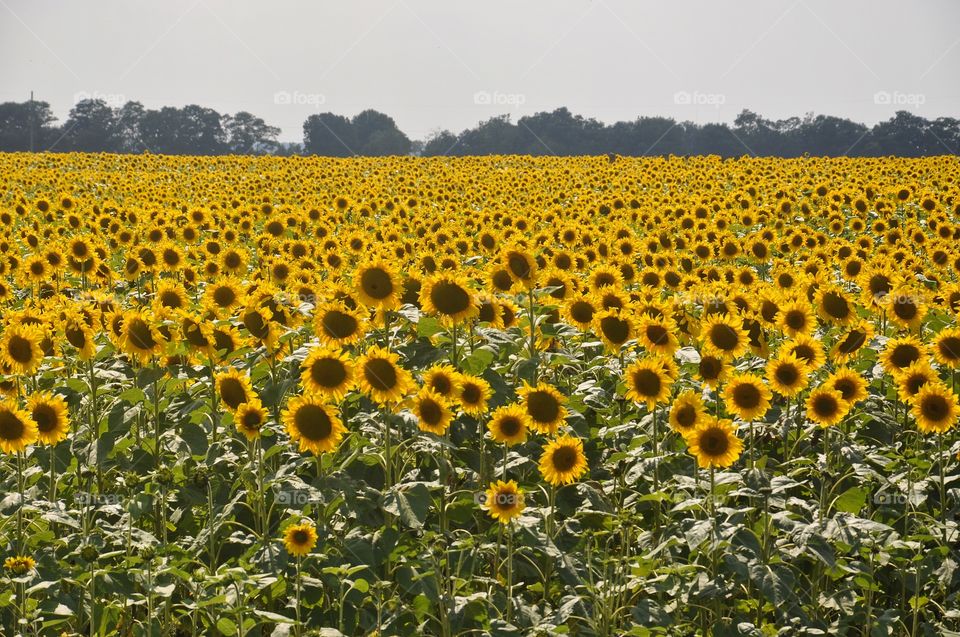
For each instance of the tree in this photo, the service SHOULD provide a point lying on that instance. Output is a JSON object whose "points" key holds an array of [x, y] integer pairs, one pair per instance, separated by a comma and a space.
{"points": [[377, 134], [91, 127], [330, 135], [248, 134], [25, 126]]}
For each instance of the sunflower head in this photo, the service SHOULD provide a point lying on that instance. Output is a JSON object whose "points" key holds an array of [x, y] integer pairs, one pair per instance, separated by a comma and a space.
{"points": [[49, 412], [826, 406], [250, 419], [18, 430], [714, 443], [509, 424], [544, 406], [935, 408], [380, 376], [746, 396], [329, 372], [313, 423], [563, 461], [503, 501], [432, 411], [299, 539]]}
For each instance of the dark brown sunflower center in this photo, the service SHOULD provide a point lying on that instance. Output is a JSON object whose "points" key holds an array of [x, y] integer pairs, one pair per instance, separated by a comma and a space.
{"points": [[542, 406], [20, 349], [380, 374], [519, 266], [949, 347], [746, 396], [252, 420], [852, 342], [510, 426], [140, 335], [647, 382], [686, 416], [714, 442], [232, 392], [825, 406], [787, 374], [615, 330], [441, 384], [376, 283], [313, 423], [836, 306], [224, 296], [905, 309], [449, 298], [256, 325], [904, 355], [710, 367], [723, 337], [328, 372], [11, 427], [582, 312], [300, 537], [795, 319], [657, 334], [430, 412], [471, 394], [564, 459], [934, 408], [46, 418], [339, 324]]}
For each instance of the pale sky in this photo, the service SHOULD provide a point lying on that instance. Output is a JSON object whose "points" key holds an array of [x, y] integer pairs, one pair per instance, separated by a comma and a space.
{"points": [[434, 64]]}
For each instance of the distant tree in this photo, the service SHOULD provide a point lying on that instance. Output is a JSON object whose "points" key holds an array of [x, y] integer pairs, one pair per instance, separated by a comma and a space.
{"points": [[377, 134], [191, 130], [128, 120], [248, 134], [91, 127], [329, 134], [23, 122], [439, 143]]}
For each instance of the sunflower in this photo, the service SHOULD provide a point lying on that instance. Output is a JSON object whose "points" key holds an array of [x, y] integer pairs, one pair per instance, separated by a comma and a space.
{"points": [[648, 382], [19, 565], [474, 394], [747, 397], [140, 336], [580, 311], [335, 324], [20, 348], [686, 412], [712, 370], [443, 379], [563, 461], [234, 388], [658, 334], [509, 424], [807, 349], [796, 317], [851, 342], [503, 501], [905, 307], [935, 408], [714, 443], [544, 406], [313, 423], [81, 336], [49, 411], [850, 384], [521, 267], [223, 296], [377, 285], [724, 336], [447, 295], [833, 305], [380, 376], [299, 539], [913, 378], [826, 406], [946, 347], [17, 428], [250, 418], [329, 372], [614, 328], [787, 375], [900, 353], [432, 411]]}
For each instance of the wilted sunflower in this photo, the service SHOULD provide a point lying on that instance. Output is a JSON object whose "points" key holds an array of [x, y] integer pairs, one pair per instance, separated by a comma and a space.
{"points": [[377, 285], [787, 375], [686, 412], [648, 382], [17, 429], [826, 406], [328, 372], [49, 412], [474, 394], [544, 406], [747, 397], [432, 411], [724, 336], [313, 423], [714, 443], [503, 501], [380, 376], [335, 324], [935, 408], [234, 389], [250, 418], [508, 424], [299, 539], [563, 461], [20, 348], [448, 296]]}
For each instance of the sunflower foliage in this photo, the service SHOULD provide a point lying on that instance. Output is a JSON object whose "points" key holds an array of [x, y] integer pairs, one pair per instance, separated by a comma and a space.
{"points": [[499, 395]]}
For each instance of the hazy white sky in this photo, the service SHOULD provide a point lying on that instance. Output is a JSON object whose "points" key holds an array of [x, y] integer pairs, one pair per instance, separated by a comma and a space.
{"points": [[449, 63]]}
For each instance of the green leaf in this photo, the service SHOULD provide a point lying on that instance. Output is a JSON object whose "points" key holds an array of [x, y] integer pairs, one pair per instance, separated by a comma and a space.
{"points": [[410, 503], [226, 626], [851, 500]]}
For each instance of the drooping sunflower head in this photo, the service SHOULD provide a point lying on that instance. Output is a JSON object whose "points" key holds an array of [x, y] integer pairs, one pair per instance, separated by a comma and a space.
{"points": [[563, 461], [615, 328], [508, 424], [328, 372], [714, 443], [141, 336], [504, 501], [544, 405], [17, 428], [851, 342], [49, 412], [299, 539], [19, 565], [234, 388], [313, 423]]}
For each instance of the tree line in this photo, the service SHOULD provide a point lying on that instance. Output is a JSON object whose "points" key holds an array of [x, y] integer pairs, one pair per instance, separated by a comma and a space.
{"points": [[93, 125]]}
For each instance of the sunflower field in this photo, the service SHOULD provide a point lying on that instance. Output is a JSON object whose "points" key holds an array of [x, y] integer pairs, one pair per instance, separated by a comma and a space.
{"points": [[479, 396]]}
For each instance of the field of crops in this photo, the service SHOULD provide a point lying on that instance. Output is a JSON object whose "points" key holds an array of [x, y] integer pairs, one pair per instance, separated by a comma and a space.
{"points": [[502, 395]]}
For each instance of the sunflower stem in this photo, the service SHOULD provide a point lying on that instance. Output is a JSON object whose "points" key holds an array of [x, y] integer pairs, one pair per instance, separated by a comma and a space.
{"points": [[299, 624], [510, 571], [20, 489], [941, 460], [534, 357]]}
